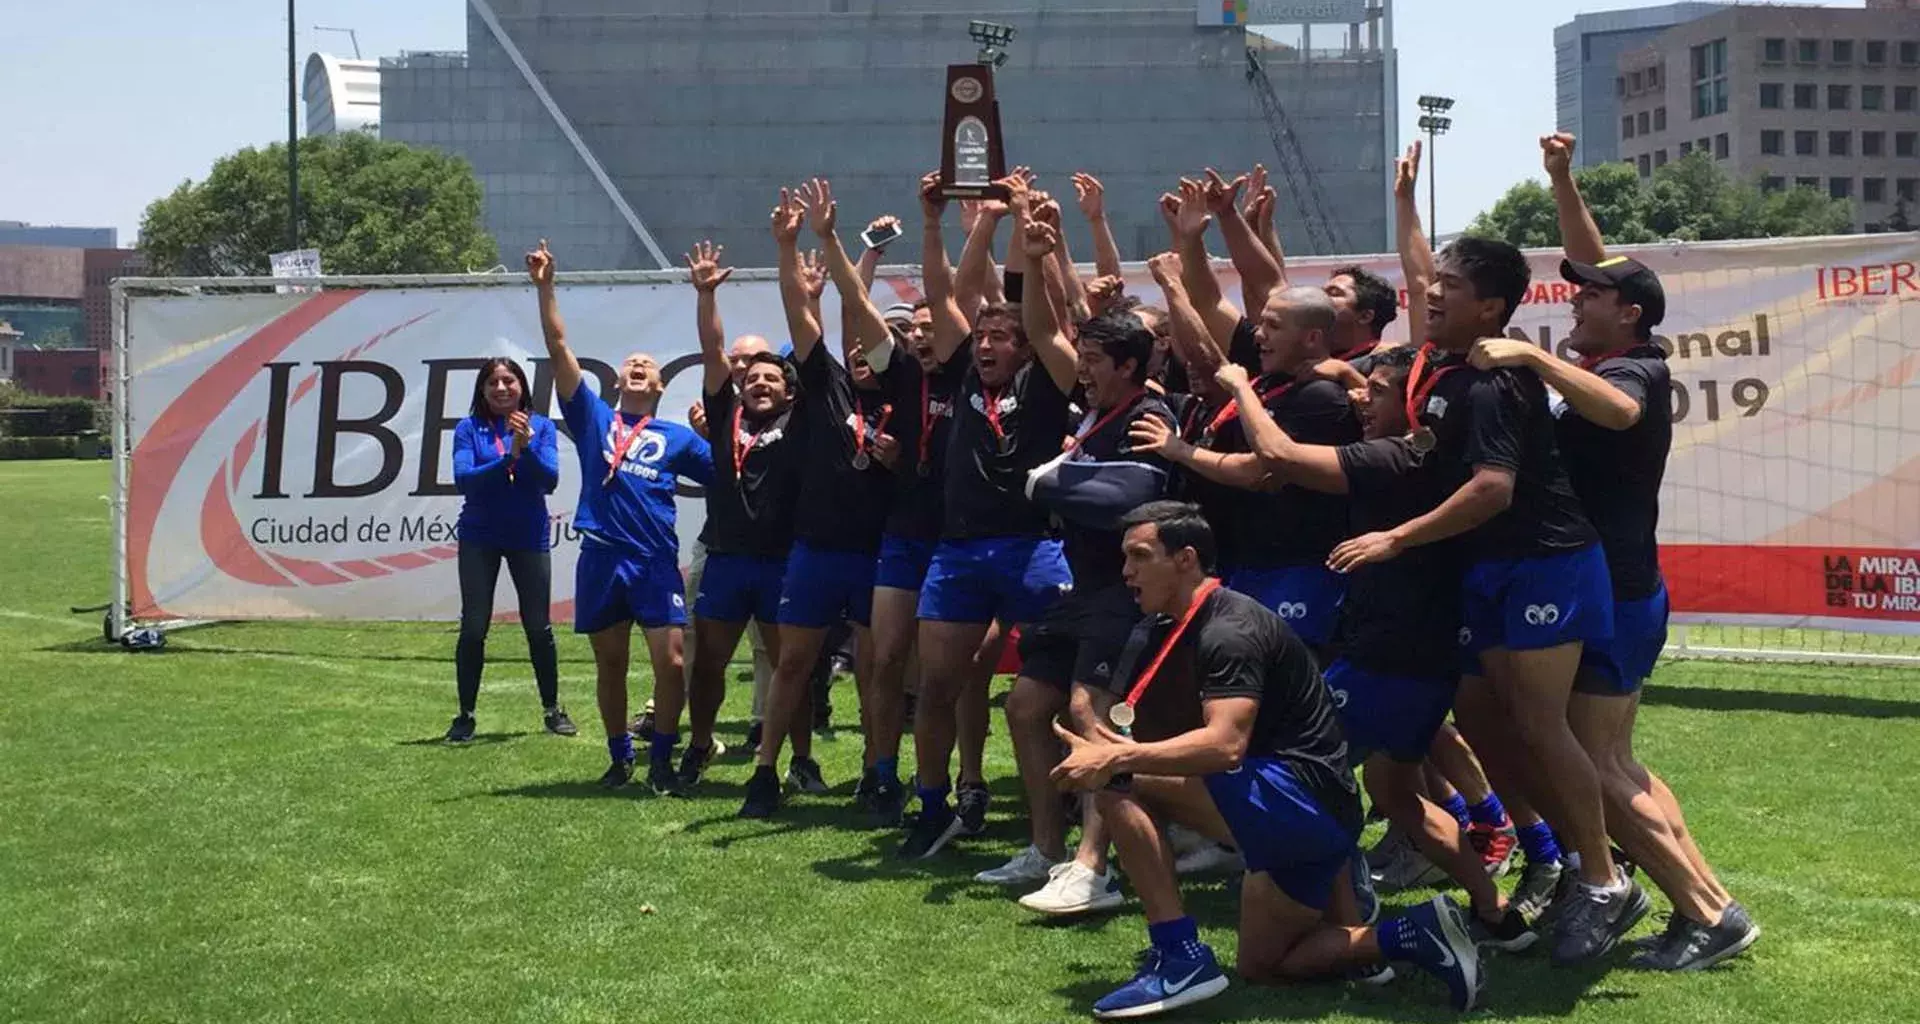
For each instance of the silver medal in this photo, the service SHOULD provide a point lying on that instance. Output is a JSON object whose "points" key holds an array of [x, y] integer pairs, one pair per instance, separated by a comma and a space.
{"points": [[1121, 715], [860, 460]]}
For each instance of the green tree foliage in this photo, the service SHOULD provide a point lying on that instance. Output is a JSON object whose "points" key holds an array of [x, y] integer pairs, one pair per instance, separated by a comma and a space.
{"points": [[369, 206], [1691, 199]]}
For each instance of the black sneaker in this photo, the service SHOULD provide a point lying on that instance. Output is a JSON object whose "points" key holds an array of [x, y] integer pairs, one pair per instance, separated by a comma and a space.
{"points": [[461, 731], [863, 792], [1692, 946], [886, 802], [754, 730], [559, 724], [693, 765], [618, 774], [763, 793], [1595, 919], [661, 777], [1511, 935], [970, 803], [929, 832], [803, 774], [1671, 923]]}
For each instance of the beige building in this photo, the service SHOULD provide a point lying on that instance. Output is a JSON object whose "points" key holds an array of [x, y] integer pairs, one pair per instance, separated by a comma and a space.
{"points": [[1821, 97]]}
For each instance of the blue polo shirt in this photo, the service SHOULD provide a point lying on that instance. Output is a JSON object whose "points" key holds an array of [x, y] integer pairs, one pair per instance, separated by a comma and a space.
{"points": [[506, 496]]}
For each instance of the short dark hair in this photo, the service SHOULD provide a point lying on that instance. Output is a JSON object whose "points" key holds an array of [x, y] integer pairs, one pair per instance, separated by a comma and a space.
{"points": [[479, 409], [1398, 359], [1494, 269], [1007, 313], [1122, 336], [787, 371], [1178, 524], [1372, 294]]}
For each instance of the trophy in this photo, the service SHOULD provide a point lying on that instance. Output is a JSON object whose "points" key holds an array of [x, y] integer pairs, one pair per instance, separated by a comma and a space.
{"points": [[972, 153]]}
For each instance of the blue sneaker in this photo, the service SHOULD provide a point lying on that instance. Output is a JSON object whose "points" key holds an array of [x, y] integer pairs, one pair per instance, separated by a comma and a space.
{"points": [[1444, 946], [1165, 982]]}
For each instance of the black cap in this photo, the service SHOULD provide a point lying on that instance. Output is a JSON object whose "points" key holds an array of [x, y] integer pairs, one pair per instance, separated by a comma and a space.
{"points": [[1636, 284]]}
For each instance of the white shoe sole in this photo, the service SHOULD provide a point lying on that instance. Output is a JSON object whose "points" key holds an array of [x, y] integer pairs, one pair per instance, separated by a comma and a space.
{"points": [[1453, 927], [1729, 953], [1187, 997], [1109, 900], [994, 876], [954, 829]]}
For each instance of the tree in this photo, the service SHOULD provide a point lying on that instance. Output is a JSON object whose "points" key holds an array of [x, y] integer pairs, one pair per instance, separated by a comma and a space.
{"points": [[370, 206], [1691, 199]]}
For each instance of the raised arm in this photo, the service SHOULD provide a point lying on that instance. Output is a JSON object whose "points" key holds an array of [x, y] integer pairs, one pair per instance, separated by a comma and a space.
{"points": [[869, 326], [977, 283], [950, 322], [1313, 466], [1259, 214], [1047, 211], [1579, 235], [1598, 400], [566, 368], [1259, 272], [1416, 256], [1187, 217], [703, 266], [1093, 204], [1044, 332], [1017, 268], [1191, 343], [803, 325]]}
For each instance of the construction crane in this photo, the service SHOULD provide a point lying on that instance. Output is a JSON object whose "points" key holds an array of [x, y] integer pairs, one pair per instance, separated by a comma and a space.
{"points": [[1302, 184]]}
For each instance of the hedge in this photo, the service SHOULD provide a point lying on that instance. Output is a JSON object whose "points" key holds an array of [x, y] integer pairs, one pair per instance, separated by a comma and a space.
{"points": [[34, 416], [85, 446]]}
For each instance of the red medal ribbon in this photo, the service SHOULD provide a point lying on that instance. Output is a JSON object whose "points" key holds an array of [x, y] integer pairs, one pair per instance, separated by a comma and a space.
{"points": [[500, 448], [740, 451], [1417, 395], [1074, 441], [623, 444], [991, 399], [927, 419], [1232, 411], [860, 424], [1589, 362], [1200, 594], [1356, 351]]}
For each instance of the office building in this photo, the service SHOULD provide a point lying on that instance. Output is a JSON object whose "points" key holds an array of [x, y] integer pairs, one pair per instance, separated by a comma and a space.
{"points": [[19, 232], [625, 135], [1819, 97], [342, 95], [1586, 58]]}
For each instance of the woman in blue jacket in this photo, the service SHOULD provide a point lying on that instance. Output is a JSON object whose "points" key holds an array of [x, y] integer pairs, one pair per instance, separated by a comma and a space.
{"points": [[506, 460]]}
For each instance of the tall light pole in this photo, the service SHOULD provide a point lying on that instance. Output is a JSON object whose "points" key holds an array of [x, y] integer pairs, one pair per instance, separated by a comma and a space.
{"points": [[293, 139], [1435, 126]]}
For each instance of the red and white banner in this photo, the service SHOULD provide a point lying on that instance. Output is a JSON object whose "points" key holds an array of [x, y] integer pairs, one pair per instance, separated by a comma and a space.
{"points": [[291, 453]]}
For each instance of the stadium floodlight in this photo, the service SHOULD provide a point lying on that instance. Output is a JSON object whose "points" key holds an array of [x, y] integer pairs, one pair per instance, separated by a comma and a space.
{"points": [[993, 39], [1435, 126], [1436, 104]]}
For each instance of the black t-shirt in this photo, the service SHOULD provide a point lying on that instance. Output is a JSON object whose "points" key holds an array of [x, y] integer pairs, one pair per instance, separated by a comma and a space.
{"points": [[753, 513], [1215, 500], [1293, 525], [1094, 555], [986, 477], [920, 400], [1500, 418], [1400, 617], [1363, 358], [1237, 647], [1243, 349], [841, 508], [1617, 473]]}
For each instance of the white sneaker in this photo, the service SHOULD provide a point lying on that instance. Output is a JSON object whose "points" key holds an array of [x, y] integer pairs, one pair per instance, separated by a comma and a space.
{"points": [[1073, 888], [1209, 859], [1028, 867]]}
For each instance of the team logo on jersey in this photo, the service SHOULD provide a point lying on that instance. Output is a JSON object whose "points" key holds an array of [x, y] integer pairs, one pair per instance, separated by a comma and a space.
{"points": [[1009, 403], [1466, 636], [1437, 407], [1542, 614], [679, 602], [1292, 609], [652, 447], [1339, 698], [1556, 403]]}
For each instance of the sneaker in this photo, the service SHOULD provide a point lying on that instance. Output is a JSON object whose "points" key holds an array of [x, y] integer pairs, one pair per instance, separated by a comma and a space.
{"points": [[1073, 888], [1536, 893], [1595, 920], [1364, 899], [970, 803], [1408, 868], [642, 727], [1445, 948], [559, 724], [1391, 841], [693, 765], [763, 793], [886, 802], [617, 775], [863, 792], [754, 730], [1496, 845], [1208, 858], [662, 779], [803, 774], [1693, 946], [1165, 982], [1670, 923], [1375, 975], [1028, 867], [1512, 934], [931, 830], [461, 731], [1182, 840]]}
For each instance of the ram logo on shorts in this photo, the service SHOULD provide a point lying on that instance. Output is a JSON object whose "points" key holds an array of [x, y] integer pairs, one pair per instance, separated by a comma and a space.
{"points": [[1292, 609], [1542, 614]]}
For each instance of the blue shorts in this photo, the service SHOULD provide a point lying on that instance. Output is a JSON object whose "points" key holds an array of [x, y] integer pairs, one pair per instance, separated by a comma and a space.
{"points": [[1012, 579], [1282, 830], [735, 588], [1394, 715], [1618, 666], [825, 588], [1530, 604], [1307, 597], [611, 586], [903, 562]]}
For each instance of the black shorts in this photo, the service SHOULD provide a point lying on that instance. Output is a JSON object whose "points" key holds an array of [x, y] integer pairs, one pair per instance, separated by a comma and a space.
{"points": [[1080, 638]]}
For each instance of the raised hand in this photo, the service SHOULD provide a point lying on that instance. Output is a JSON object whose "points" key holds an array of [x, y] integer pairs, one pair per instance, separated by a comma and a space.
{"points": [[703, 265], [540, 266], [1231, 376], [1045, 209], [787, 217], [1406, 172], [1256, 184], [813, 274], [1104, 292], [1222, 196], [885, 220], [1091, 194], [822, 211], [1191, 217], [1493, 353], [697, 418], [1259, 211], [932, 203], [1019, 193], [1556, 153], [1039, 240], [1165, 268], [1151, 435]]}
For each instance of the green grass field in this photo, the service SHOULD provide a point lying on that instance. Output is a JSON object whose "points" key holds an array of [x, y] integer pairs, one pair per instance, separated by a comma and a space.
{"points": [[259, 824]]}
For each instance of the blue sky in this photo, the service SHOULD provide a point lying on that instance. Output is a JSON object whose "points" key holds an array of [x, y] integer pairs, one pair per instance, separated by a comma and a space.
{"points": [[106, 105]]}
